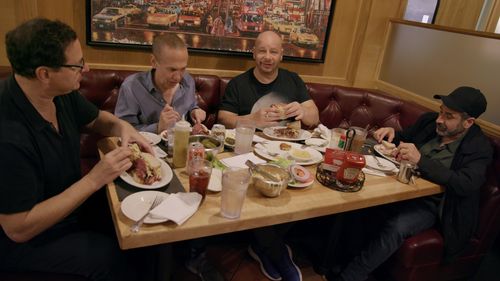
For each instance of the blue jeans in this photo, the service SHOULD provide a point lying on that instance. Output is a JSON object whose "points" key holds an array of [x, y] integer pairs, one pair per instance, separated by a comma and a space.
{"points": [[397, 222]]}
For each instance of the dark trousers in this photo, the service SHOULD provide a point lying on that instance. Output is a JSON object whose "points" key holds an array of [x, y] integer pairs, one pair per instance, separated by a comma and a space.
{"points": [[393, 224], [270, 239], [89, 254]]}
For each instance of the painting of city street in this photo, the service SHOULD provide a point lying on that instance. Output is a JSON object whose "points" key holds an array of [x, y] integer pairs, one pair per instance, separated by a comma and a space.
{"points": [[216, 26]]}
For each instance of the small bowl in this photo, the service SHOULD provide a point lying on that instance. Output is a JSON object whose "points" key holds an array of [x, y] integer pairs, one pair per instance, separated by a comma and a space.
{"points": [[211, 144], [268, 187]]}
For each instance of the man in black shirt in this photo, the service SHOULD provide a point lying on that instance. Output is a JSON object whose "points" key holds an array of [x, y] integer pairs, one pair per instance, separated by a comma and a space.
{"points": [[250, 95], [449, 149], [41, 116]]}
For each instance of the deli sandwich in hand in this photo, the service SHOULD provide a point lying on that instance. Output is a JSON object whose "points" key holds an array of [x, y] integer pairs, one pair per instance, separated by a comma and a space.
{"points": [[280, 108], [146, 169], [387, 148]]}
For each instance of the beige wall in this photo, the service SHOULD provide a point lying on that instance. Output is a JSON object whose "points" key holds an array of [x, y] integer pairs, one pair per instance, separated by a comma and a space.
{"points": [[441, 60]]}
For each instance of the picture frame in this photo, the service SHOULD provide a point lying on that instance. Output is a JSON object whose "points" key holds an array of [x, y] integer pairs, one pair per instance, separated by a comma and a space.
{"points": [[227, 27]]}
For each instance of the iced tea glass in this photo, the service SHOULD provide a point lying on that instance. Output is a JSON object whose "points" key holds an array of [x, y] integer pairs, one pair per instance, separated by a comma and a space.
{"points": [[199, 171]]}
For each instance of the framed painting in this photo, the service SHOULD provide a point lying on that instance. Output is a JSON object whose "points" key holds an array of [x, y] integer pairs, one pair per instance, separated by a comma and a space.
{"points": [[213, 26]]}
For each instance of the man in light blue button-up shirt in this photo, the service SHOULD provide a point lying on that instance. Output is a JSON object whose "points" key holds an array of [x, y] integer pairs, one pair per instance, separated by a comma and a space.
{"points": [[153, 101]]}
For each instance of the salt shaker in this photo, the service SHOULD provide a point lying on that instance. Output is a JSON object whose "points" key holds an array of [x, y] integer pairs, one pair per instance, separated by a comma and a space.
{"points": [[406, 171]]}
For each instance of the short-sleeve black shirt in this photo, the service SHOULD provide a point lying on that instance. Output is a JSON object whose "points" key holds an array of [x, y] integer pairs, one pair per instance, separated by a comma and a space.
{"points": [[245, 90], [37, 162]]}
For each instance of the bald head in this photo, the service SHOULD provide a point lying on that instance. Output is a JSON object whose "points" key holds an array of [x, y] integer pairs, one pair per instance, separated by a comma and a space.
{"points": [[268, 53], [168, 40], [268, 37]]}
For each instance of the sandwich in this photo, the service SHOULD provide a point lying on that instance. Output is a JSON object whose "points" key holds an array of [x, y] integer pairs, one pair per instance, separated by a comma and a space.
{"points": [[280, 108], [387, 148], [146, 169]]}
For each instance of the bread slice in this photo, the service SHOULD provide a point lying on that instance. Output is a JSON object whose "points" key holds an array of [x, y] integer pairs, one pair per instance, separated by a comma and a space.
{"points": [[297, 125]]}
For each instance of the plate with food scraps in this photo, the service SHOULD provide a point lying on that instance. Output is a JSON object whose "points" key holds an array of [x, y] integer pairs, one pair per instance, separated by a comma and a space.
{"points": [[152, 138], [166, 177], [272, 150], [380, 149], [382, 165], [137, 204], [287, 134]]}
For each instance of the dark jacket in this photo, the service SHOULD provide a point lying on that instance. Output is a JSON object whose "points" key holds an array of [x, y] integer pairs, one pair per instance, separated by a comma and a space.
{"points": [[462, 181]]}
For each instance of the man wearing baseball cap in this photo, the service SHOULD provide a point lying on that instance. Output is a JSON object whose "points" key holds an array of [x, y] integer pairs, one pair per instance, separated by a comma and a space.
{"points": [[449, 149]]}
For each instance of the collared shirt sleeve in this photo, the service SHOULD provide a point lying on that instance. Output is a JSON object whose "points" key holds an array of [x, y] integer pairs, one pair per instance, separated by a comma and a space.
{"points": [[136, 105]]}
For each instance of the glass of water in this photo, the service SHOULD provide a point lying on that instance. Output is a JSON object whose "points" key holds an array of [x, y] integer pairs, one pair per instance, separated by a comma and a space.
{"points": [[219, 132], [245, 130], [234, 189]]}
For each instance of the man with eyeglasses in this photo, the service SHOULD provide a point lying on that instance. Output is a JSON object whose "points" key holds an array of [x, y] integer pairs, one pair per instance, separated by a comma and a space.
{"points": [[154, 100], [42, 190]]}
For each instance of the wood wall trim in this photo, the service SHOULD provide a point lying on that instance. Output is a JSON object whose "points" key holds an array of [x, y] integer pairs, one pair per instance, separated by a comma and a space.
{"points": [[489, 128], [447, 28], [222, 73], [493, 17]]}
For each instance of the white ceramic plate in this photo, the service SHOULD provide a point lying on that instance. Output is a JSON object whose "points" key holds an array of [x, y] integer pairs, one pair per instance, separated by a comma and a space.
{"points": [[371, 163], [296, 184], [379, 151], [272, 147], [137, 204], [303, 134], [159, 152], [152, 138], [166, 177]]}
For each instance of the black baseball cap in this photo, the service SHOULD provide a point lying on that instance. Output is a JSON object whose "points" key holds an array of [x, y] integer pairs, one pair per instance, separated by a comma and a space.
{"points": [[465, 99]]}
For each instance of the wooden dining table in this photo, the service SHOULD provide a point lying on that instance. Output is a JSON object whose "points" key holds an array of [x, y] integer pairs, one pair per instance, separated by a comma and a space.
{"points": [[259, 211]]}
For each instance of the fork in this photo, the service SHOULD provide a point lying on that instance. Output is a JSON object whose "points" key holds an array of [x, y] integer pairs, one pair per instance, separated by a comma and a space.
{"points": [[137, 225], [380, 165]]}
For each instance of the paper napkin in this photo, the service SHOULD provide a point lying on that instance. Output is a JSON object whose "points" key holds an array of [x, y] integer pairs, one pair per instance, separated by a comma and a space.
{"points": [[324, 132], [239, 160], [215, 183], [178, 207]]}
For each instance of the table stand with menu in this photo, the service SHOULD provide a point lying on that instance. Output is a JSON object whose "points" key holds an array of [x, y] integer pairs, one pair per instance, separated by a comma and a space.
{"points": [[258, 211]]}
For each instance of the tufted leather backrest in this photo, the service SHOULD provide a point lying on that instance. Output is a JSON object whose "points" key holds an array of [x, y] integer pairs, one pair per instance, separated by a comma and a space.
{"points": [[346, 106]]}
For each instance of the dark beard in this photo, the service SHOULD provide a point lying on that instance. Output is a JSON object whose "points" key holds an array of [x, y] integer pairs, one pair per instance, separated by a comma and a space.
{"points": [[455, 133]]}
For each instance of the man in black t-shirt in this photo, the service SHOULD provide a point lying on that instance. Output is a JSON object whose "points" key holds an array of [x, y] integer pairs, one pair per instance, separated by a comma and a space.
{"points": [[250, 95], [41, 116]]}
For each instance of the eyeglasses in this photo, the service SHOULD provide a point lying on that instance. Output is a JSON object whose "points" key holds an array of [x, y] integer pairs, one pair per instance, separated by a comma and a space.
{"points": [[80, 66]]}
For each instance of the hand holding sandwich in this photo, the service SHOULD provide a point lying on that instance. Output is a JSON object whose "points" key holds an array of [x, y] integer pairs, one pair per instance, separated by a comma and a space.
{"points": [[111, 165], [409, 152]]}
